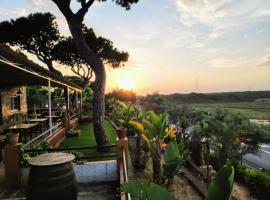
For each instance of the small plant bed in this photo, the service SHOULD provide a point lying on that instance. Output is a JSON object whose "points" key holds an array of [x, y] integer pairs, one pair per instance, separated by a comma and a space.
{"points": [[73, 133]]}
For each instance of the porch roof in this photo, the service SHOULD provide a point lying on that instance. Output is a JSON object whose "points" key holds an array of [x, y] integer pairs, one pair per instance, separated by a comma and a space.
{"points": [[17, 70]]}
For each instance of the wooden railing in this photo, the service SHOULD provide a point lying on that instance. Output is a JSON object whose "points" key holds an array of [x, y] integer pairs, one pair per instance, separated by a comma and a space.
{"points": [[43, 136], [122, 157]]}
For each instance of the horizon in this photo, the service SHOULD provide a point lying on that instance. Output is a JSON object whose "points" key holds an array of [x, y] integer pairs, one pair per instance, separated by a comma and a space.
{"points": [[198, 92], [224, 44]]}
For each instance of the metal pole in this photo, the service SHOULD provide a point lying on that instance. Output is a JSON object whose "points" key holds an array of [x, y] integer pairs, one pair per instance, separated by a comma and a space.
{"points": [[81, 101], [77, 100], [50, 105], [68, 98]]}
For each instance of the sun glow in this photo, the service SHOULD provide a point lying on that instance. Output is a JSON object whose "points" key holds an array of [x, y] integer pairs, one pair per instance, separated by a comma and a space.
{"points": [[126, 83]]}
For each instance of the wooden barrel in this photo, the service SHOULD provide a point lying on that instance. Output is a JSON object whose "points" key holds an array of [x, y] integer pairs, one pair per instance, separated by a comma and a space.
{"points": [[52, 177]]}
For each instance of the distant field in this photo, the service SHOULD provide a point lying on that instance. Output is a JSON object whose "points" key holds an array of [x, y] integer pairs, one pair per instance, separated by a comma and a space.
{"points": [[256, 110]]}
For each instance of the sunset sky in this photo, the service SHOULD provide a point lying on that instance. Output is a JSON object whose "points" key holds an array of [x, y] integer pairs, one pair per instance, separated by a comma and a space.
{"points": [[224, 44]]}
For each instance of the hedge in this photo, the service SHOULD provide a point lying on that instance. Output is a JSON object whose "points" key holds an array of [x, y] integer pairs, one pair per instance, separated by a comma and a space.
{"points": [[257, 181]]}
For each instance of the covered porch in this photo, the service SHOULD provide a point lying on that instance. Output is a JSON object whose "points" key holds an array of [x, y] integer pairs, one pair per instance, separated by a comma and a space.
{"points": [[35, 124]]}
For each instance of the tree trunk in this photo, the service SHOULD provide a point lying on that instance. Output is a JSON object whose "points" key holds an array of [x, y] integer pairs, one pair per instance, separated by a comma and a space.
{"points": [[99, 108], [223, 155], [139, 158], [156, 159], [207, 162], [99, 85]]}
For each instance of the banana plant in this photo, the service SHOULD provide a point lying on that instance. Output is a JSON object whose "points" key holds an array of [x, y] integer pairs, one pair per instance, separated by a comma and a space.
{"points": [[174, 158], [153, 131], [146, 190], [123, 113], [220, 188], [222, 185]]}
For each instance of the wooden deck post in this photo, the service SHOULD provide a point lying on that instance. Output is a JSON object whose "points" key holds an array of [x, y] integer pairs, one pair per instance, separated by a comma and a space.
{"points": [[121, 144], [12, 165]]}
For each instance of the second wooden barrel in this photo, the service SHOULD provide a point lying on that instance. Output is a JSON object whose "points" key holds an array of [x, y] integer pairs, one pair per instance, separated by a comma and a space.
{"points": [[52, 179]]}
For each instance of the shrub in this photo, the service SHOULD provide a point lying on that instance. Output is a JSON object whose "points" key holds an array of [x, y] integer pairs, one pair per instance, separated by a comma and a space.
{"points": [[258, 181]]}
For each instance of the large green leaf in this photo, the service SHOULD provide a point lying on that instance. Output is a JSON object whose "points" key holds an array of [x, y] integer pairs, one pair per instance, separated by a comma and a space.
{"points": [[151, 129], [221, 186], [172, 152], [138, 126], [146, 190]]}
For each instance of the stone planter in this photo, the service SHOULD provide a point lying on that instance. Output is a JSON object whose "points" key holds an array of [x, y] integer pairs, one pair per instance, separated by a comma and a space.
{"points": [[121, 133], [13, 138]]}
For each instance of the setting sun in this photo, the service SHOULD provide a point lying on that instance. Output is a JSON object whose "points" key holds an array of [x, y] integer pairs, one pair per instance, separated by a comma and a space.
{"points": [[126, 83]]}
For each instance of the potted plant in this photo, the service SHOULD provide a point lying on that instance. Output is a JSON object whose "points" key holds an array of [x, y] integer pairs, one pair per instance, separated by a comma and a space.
{"points": [[13, 137], [123, 113], [121, 132]]}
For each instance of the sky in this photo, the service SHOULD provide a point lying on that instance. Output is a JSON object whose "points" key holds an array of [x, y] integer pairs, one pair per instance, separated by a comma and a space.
{"points": [[223, 44]]}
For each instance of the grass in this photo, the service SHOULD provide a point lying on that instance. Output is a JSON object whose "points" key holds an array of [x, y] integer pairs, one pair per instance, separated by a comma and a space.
{"points": [[255, 110], [87, 137]]}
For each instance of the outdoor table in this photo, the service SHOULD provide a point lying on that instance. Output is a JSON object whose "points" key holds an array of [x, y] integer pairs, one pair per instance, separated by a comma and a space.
{"points": [[42, 121], [24, 129], [33, 115], [52, 177]]}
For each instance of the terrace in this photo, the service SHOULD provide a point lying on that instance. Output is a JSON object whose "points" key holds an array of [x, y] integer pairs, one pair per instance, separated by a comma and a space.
{"points": [[97, 179]]}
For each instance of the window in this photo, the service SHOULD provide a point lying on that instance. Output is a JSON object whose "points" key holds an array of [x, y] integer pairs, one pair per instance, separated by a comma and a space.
{"points": [[15, 103]]}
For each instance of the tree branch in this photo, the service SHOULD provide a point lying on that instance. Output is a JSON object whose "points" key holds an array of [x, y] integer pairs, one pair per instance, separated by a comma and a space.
{"points": [[64, 7], [83, 10]]}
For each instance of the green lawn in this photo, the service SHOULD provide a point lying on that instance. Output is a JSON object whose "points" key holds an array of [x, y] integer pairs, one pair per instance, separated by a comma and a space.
{"points": [[87, 137]]}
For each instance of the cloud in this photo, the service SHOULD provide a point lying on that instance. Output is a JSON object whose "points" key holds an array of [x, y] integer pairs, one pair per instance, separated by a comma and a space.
{"points": [[261, 13], [265, 62], [217, 33], [6, 14], [221, 16], [36, 2], [202, 11], [228, 62]]}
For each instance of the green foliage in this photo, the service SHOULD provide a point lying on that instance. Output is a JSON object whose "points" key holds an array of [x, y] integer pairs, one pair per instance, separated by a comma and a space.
{"points": [[222, 185], [139, 127], [122, 113], [68, 54], [24, 157], [257, 181], [175, 156], [223, 97], [123, 95], [155, 131], [37, 34], [225, 131], [146, 190], [152, 126], [171, 153]]}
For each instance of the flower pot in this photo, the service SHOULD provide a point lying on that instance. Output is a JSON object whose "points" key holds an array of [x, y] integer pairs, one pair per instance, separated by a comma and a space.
{"points": [[121, 133], [13, 138]]}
